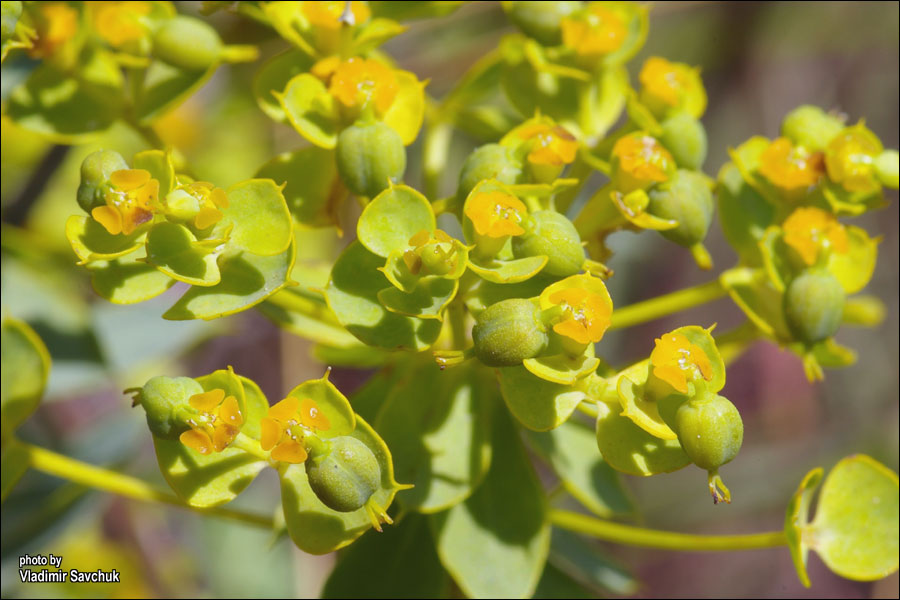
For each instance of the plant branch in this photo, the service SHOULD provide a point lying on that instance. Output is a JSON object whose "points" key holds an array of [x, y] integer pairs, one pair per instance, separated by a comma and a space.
{"points": [[648, 310]]}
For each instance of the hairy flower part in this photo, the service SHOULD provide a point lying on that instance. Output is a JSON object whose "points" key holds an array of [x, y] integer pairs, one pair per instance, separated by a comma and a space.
{"points": [[131, 200], [550, 144], [286, 426], [119, 22], [56, 23], [200, 202], [669, 82], [791, 167], [358, 82], [811, 230], [676, 361], [496, 214], [643, 159], [595, 32], [332, 15], [850, 159], [583, 305], [216, 426], [434, 252]]}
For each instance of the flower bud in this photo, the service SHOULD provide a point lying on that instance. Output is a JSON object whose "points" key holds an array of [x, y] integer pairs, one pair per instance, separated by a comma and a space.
{"points": [[508, 332], [541, 20], [685, 138], [368, 156], [553, 235], [96, 169], [710, 430], [187, 43], [491, 161], [814, 305], [166, 402], [887, 168], [685, 198], [344, 476], [811, 127]]}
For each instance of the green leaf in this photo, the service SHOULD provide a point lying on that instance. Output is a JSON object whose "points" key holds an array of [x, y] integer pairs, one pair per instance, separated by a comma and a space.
{"points": [[495, 544], [128, 280], [854, 268], [644, 413], [562, 368], [174, 250], [314, 527], [555, 583], [510, 271], [307, 315], [164, 87], [246, 281], [537, 403], [588, 565], [352, 295], [743, 213], [541, 190], [25, 363], [394, 216], [441, 443], [311, 110], [262, 222], [333, 404], [407, 111], [14, 461], [571, 449], [91, 241], [273, 76], [400, 562], [311, 184], [629, 449], [373, 33], [159, 164], [759, 299], [796, 519], [427, 300]]}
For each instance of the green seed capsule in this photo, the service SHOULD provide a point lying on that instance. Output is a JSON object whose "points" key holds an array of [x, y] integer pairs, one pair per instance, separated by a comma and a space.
{"points": [[811, 127], [553, 235], [491, 161], [165, 400], [9, 16], [814, 305], [685, 138], [685, 198], [508, 332], [346, 476], [541, 20], [187, 43], [96, 170], [368, 155], [710, 431]]}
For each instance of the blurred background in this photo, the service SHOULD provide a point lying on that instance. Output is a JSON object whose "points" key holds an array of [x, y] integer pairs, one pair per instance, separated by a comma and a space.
{"points": [[759, 60]]}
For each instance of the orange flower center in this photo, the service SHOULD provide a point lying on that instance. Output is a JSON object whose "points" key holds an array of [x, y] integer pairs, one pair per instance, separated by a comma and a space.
{"points": [[287, 425], [791, 167], [130, 201], [599, 32], [643, 158], [496, 214], [676, 360], [216, 426], [809, 230], [360, 81]]}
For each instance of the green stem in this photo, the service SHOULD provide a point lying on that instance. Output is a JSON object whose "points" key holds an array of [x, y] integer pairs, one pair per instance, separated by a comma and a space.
{"points": [[437, 144], [250, 446], [87, 475], [664, 540], [579, 170], [648, 310]]}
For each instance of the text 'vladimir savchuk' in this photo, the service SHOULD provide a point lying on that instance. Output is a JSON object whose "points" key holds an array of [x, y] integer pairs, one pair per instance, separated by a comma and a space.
{"points": [[55, 574]]}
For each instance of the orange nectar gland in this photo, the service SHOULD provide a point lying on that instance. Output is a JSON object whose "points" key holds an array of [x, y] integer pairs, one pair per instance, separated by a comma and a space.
{"points": [[581, 307], [358, 82], [791, 167], [130, 201], [57, 23], [496, 214], [211, 201], [810, 230], [664, 80], [551, 144], [676, 360], [331, 15], [643, 158], [599, 32], [431, 251], [289, 422], [119, 22], [850, 159], [216, 426]]}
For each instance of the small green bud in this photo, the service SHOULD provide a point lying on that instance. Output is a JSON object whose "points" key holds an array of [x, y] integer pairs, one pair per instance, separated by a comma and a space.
{"points": [[685, 198], [368, 155], [9, 16], [96, 169], [187, 43], [553, 235], [887, 168], [345, 475], [685, 137], [491, 161], [508, 332], [710, 430], [811, 127], [814, 305], [165, 400], [541, 20]]}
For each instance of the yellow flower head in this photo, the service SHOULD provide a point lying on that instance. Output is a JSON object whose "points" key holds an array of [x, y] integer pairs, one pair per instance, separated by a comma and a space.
{"points": [[586, 308], [596, 32], [199, 201], [791, 167], [850, 159], [131, 200], [809, 230], [286, 426], [496, 214], [216, 426], [434, 251], [676, 360], [360, 81], [672, 84], [119, 22], [331, 15], [56, 24], [643, 159], [551, 144]]}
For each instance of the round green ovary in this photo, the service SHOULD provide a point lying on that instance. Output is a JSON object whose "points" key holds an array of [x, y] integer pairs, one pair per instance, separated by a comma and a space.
{"points": [[814, 305], [369, 156], [541, 20], [685, 198], [554, 236], [685, 137], [491, 161], [96, 170], [508, 332], [187, 43], [164, 399], [710, 431], [346, 476]]}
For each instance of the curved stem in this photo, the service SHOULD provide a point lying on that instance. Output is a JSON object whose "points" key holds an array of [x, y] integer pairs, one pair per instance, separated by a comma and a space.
{"points": [[664, 540], [91, 476], [648, 310]]}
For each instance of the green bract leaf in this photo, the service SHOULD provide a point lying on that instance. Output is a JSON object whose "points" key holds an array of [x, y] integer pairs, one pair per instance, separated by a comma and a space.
{"points": [[633, 206], [128, 280], [373, 33], [427, 300], [796, 519], [843, 202], [854, 268], [160, 166], [392, 218], [317, 529], [352, 295], [333, 404], [25, 364], [164, 87], [510, 271], [306, 314], [537, 403], [311, 110], [174, 250], [311, 185], [776, 258], [628, 448], [437, 424], [743, 213], [644, 413], [541, 190], [408, 108], [571, 449], [274, 76], [563, 368], [91, 241], [495, 543], [246, 280], [262, 222], [754, 294], [588, 564]]}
